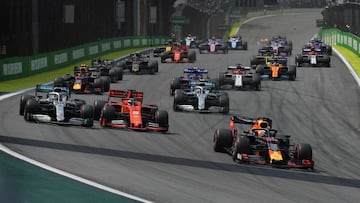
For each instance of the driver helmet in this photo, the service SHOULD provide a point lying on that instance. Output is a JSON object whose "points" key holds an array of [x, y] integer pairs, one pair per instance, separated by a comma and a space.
{"points": [[263, 124], [130, 102], [262, 133], [189, 35]]}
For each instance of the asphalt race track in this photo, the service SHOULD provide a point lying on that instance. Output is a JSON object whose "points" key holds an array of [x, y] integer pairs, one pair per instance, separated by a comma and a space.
{"points": [[322, 107]]}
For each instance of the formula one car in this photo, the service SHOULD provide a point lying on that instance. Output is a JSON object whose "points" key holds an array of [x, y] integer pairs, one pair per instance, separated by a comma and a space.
{"points": [[129, 112], [201, 99], [165, 48], [281, 45], [191, 41], [239, 77], [107, 67], [312, 56], [318, 44], [213, 46], [178, 54], [85, 80], [56, 107], [236, 43], [138, 63], [192, 76], [276, 68], [261, 145]]}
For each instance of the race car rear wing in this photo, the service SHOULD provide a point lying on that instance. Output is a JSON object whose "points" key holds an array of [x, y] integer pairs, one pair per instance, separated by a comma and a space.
{"points": [[247, 120], [237, 66], [195, 70], [125, 94], [49, 88]]}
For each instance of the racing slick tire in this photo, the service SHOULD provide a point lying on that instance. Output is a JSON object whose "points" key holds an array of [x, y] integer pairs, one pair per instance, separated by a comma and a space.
{"points": [[298, 60], [245, 45], [98, 106], [152, 67], [179, 98], [87, 113], [98, 83], [119, 72], [257, 82], [292, 72], [327, 61], [107, 115], [241, 146], [113, 75], [253, 62], [163, 57], [175, 84], [31, 107], [222, 139], [221, 79], [303, 152], [259, 69], [23, 100], [106, 82], [162, 118], [224, 102]]}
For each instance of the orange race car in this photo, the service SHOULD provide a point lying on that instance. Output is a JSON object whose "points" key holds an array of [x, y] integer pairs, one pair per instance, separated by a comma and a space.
{"points": [[129, 112], [261, 145], [276, 68]]}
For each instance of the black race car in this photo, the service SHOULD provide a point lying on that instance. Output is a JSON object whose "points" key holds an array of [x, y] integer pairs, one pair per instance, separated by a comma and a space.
{"points": [[139, 63]]}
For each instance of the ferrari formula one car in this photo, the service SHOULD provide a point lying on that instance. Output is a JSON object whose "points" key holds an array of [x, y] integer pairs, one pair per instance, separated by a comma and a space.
{"points": [[213, 46], [261, 145], [201, 99], [129, 112], [138, 63], [276, 68], [86, 80], [236, 43], [192, 76], [239, 77], [312, 56], [178, 54], [56, 107]]}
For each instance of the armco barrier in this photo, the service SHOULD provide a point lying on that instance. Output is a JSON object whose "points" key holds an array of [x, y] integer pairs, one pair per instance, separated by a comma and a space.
{"points": [[17, 67], [337, 37]]}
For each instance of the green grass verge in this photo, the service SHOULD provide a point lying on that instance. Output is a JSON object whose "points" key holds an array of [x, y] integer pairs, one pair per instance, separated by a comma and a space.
{"points": [[351, 57], [22, 83]]}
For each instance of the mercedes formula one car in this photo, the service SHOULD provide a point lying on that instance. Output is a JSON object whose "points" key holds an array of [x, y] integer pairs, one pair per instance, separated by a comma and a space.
{"points": [[129, 112], [55, 107], [276, 68], [239, 77], [201, 99], [192, 77], [138, 63], [86, 80], [178, 54], [261, 145], [213, 46], [236, 43], [312, 56]]}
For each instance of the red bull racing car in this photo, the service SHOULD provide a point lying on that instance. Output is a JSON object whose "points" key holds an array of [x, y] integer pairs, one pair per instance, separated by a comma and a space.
{"points": [[261, 145]]}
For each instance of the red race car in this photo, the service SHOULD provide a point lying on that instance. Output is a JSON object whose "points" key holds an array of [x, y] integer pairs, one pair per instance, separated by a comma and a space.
{"points": [[128, 111], [262, 145], [178, 54]]}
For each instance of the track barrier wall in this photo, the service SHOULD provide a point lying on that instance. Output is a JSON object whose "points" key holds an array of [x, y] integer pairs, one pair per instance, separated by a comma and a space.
{"points": [[335, 36], [18, 67]]}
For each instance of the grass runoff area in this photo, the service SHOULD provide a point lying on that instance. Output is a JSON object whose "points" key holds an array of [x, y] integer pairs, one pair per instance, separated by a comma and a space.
{"points": [[31, 81], [351, 57]]}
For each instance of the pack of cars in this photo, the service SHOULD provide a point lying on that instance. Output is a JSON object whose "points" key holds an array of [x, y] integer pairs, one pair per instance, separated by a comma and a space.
{"points": [[192, 92], [85, 80]]}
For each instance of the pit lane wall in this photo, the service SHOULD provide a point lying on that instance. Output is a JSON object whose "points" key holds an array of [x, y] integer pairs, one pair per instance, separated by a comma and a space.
{"points": [[335, 36], [17, 67]]}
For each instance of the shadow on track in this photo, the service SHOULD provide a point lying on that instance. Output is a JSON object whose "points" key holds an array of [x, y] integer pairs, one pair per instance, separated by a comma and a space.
{"points": [[246, 169]]}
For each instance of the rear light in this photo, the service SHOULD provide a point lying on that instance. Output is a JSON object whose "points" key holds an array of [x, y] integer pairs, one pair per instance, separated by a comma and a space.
{"points": [[235, 131]]}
